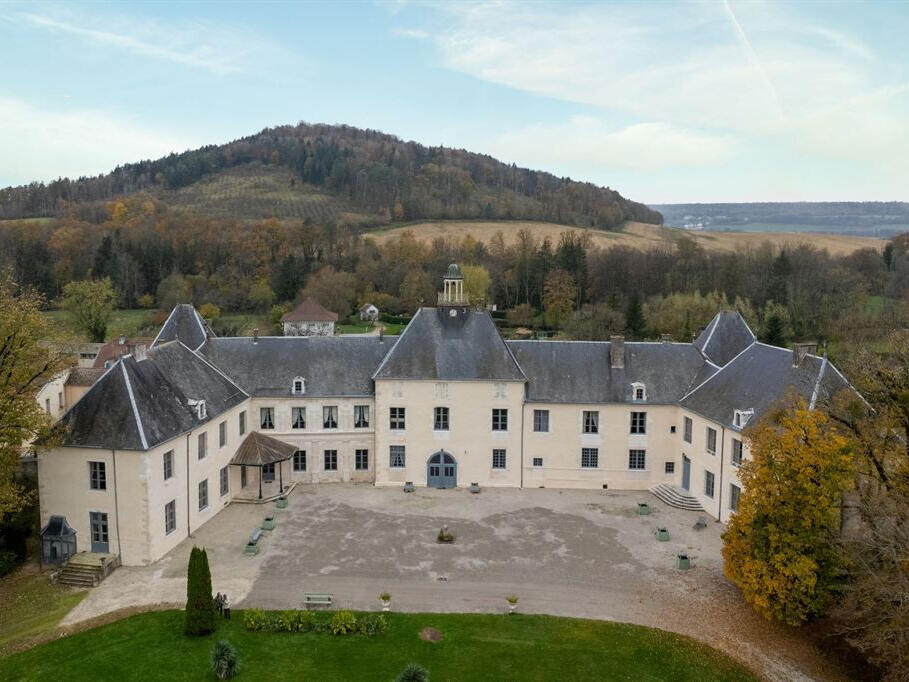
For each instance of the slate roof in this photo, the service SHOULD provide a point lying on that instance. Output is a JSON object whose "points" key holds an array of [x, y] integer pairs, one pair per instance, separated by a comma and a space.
{"points": [[136, 405], [726, 336], [257, 449], [332, 366], [759, 377], [581, 371], [112, 351], [84, 376], [186, 325], [465, 346], [310, 310]]}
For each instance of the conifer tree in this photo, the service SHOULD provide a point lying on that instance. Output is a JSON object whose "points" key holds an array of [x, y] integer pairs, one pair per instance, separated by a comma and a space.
{"points": [[200, 608]]}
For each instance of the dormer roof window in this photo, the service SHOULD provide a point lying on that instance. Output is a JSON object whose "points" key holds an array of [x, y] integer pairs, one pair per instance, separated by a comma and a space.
{"points": [[299, 386], [740, 417], [638, 391], [201, 411]]}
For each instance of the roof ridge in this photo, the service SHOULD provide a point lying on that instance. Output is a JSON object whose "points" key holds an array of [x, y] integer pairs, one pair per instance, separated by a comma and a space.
{"points": [[164, 325], [410, 325], [717, 373], [132, 400]]}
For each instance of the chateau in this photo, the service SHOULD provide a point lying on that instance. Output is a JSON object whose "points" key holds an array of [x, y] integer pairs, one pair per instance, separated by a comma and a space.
{"points": [[167, 438]]}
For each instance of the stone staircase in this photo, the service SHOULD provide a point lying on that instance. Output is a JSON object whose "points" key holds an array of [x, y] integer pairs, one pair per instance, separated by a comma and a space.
{"points": [[86, 569], [676, 497]]}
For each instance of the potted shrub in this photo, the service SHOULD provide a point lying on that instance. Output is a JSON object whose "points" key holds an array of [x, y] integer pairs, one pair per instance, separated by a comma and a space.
{"points": [[268, 523], [662, 534], [512, 603], [385, 598], [281, 502], [643, 508], [445, 536]]}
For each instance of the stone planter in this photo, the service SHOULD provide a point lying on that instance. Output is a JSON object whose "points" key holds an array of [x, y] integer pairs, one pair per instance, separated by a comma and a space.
{"points": [[643, 508], [252, 548], [268, 523], [281, 502], [512, 607], [386, 605], [662, 534], [683, 562]]}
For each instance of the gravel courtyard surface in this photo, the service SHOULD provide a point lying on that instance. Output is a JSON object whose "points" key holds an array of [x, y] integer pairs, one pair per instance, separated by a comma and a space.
{"points": [[569, 553]]}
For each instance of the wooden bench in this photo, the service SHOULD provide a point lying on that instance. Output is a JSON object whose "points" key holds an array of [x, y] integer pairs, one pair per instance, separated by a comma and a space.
{"points": [[317, 599]]}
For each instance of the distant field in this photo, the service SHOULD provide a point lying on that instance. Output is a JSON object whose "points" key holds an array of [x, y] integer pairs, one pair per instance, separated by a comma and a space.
{"points": [[130, 323], [635, 235]]}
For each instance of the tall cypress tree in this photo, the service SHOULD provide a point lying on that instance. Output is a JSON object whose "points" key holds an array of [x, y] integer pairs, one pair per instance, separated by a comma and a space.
{"points": [[200, 608], [634, 317]]}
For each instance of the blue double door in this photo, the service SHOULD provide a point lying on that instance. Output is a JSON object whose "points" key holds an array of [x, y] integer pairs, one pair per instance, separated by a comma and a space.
{"points": [[442, 470]]}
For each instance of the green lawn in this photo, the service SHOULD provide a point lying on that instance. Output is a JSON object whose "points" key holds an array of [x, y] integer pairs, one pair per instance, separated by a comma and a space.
{"points": [[131, 323], [151, 646], [30, 605], [353, 328]]}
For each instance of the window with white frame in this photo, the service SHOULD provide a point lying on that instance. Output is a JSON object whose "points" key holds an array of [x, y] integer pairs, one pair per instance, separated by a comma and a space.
{"points": [[639, 422], [689, 427], [266, 418], [396, 457], [637, 459], [361, 460], [168, 464], [170, 517], [299, 386], [396, 418], [734, 494], [538, 461], [498, 459], [541, 421], [591, 421], [300, 460], [500, 419], [331, 460], [711, 440], [590, 458], [740, 417], [298, 417], [225, 481], [202, 447], [708, 483], [330, 417], [440, 419], [361, 416], [500, 390], [670, 468], [97, 475], [736, 452], [203, 494], [222, 434], [638, 391]]}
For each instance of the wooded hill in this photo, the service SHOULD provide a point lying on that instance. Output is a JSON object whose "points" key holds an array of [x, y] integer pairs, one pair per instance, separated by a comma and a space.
{"points": [[334, 173]]}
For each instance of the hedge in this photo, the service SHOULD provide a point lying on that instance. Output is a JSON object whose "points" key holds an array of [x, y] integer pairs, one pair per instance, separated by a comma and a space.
{"points": [[341, 622]]}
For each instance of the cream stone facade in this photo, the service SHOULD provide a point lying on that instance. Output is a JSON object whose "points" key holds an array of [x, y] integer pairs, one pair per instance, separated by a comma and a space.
{"points": [[449, 403]]}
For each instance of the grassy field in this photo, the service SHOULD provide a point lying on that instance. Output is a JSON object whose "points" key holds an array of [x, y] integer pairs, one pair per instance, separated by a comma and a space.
{"points": [[151, 646], [30, 606], [131, 323], [635, 235]]}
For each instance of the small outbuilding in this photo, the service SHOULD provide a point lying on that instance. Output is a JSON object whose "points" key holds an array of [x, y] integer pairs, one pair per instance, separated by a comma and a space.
{"points": [[265, 454], [309, 319], [369, 313], [58, 541]]}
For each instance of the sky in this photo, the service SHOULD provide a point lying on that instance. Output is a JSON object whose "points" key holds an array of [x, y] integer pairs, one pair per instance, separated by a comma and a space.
{"points": [[666, 102]]}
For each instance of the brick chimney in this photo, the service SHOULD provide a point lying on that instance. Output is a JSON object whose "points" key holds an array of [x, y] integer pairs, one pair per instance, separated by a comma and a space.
{"points": [[617, 352], [800, 351], [140, 352]]}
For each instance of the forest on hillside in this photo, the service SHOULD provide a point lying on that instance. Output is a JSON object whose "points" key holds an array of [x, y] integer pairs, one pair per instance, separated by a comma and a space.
{"points": [[156, 256], [375, 173]]}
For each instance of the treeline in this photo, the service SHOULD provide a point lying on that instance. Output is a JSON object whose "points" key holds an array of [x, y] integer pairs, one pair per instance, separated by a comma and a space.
{"points": [[852, 214], [155, 257], [376, 172]]}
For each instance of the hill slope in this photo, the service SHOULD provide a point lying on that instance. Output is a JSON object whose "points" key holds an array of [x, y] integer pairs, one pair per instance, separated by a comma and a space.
{"points": [[635, 235], [371, 173]]}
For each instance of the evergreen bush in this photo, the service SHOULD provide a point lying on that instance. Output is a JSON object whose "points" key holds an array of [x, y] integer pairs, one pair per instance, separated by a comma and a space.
{"points": [[200, 607], [414, 672], [224, 661], [343, 623]]}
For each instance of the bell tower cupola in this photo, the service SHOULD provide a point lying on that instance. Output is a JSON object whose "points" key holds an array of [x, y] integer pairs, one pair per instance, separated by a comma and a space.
{"points": [[453, 287]]}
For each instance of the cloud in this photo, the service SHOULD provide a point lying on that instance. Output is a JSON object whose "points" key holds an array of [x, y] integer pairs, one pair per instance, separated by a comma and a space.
{"points": [[640, 147], [73, 143], [219, 49]]}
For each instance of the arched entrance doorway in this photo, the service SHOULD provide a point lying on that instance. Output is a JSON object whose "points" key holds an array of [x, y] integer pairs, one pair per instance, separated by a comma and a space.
{"points": [[442, 470]]}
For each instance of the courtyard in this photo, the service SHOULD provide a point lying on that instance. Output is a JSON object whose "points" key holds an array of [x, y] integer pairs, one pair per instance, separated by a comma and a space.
{"points": [[586, 554]]}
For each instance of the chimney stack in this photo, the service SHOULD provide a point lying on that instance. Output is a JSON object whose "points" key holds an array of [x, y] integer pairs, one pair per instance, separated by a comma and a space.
{"points": [[121, 340], [617, 352], [800, 351], [140, 352], [666, 338], [256, 335]]}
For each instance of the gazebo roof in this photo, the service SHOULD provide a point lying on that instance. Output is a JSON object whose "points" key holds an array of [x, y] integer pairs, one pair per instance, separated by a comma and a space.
{"points": [[258, 450]]}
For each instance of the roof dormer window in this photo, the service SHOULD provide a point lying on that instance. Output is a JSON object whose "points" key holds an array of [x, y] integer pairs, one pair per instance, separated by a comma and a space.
{"points": [[740, 417], [201, 412], [638, 392], [299, 386]]}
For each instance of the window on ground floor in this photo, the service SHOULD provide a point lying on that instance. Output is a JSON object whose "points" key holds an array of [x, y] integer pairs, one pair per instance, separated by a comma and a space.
{"points": [[637, 459], [670, 467], [538, 461], [708, 483], [300, 460], [170, 517], [203, 494], [590, 458], [331, 460], [225, 481], [396, 456], [361, 460], [498, 459]]}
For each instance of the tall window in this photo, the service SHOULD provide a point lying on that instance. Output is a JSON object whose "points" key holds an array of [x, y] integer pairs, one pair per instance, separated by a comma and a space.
{"points": [[498, 459], [590, 458], [734, 493], [300, 460], [331, 460], [170, 517], [638, 422], [361, 416], [396, 456], [708, 483], [736, 452], [202, 447], [361, 460], [499, 419], [637, 459], [225, 481], [243, 476], [688, 428], [298, 417], [97, 475], [591, 422], [241, 422], [541, 421], [330, 417], [267, 417], [203, 494], [222, 434], [396, 418], [168, 464], [440, 423], [711, 441]]}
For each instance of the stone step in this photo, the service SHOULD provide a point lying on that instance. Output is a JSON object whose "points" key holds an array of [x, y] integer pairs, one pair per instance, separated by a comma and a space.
{"points": [[77, 579], [675, 497]]}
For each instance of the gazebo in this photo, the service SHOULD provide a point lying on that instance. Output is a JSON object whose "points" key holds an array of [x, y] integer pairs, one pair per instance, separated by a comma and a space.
{"points": [[58, 541], [265, 453]]}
